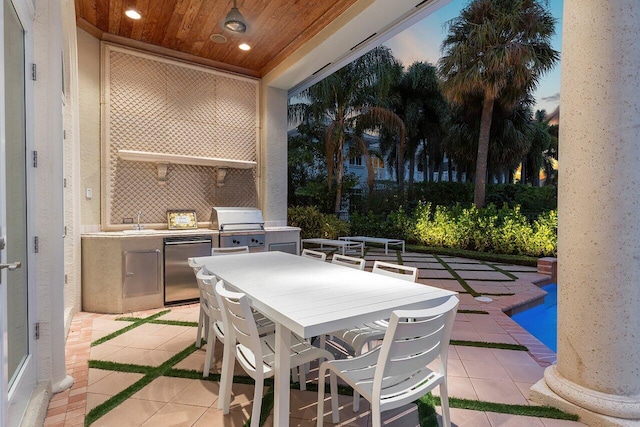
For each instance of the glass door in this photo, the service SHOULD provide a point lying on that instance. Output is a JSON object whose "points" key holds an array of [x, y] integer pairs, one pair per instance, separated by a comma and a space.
{"points": [[18, 366]]}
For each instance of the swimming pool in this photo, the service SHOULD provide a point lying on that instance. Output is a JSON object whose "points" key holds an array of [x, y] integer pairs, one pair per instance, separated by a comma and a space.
{"points": [[542, 321]]}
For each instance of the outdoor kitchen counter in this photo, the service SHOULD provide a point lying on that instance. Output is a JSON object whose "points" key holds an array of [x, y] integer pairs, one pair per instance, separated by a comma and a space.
{"points": [[106, 254], [123, 272], [149, 233]]}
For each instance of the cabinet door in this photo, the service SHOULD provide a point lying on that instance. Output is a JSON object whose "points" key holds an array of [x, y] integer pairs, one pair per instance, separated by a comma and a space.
{"points": [[141, 271]]}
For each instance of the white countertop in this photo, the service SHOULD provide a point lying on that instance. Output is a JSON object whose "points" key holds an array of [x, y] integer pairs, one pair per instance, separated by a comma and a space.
{"points": [[148, 232]]}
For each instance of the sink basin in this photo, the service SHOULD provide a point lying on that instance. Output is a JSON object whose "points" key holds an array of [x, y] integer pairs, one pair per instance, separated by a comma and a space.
{"points": [[140, 231]]}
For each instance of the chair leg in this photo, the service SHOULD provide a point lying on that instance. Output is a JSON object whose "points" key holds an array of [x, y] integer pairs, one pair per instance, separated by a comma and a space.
{"points": [[376, 415], [356, 395], [257, 402], [302, 374], [207, 323], [200, 322], [335, 412], [444, 403], [228, 360], [209, 356]]}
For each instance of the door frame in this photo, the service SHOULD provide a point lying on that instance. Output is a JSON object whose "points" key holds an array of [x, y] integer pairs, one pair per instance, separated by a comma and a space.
{"points": [[14, 401]]}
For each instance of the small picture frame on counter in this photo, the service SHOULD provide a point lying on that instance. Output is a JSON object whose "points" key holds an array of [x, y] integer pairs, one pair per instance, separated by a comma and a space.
{"points": [[181, 220]]}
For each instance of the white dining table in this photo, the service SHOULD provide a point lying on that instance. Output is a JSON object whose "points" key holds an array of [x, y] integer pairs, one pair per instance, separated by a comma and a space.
{"points": [[311, 298]]}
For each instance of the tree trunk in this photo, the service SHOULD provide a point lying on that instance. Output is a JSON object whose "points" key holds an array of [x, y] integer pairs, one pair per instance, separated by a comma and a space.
{"points": [[480, 191], [535, 177], [449, 170], [339, 174], [425, 162], [412, 167], [432, 169], [400, 170]]}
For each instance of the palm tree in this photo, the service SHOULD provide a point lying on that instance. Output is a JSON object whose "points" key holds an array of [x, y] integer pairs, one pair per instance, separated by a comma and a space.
{"points": [[542, 149], [508, 138], [352, 94], [493, 47], [421, 105]]}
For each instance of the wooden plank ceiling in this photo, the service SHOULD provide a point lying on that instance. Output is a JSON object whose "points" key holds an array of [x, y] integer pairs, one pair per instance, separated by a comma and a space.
{"points": [[275, 28]]}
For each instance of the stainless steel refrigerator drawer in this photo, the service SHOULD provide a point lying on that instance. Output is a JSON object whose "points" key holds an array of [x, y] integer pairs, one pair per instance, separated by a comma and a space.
{"points": [[179, 281]]}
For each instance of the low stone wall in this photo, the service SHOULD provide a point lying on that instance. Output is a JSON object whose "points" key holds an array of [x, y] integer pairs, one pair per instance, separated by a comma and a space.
{"points": [[549, 267]]}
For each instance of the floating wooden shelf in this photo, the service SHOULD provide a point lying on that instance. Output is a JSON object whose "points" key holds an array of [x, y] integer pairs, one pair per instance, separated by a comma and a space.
{"points": [[163, 160]]}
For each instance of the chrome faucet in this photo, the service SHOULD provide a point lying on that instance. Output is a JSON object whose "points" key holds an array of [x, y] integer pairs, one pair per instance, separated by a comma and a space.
{"points": [[138, 226]]}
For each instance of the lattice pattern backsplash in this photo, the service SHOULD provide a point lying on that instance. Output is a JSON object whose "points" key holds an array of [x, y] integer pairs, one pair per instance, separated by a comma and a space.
{"points": [[157, 105]]}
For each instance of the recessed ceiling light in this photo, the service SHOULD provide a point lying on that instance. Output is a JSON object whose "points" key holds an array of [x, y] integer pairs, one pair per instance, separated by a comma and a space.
{"points": [[133, 14], [244, 46], [218, 38]]}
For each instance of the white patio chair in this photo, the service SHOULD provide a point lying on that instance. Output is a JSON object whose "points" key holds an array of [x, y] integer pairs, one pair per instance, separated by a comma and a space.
{"points": [[229, 251], [216, 327], [203, 316], [203, 319], [396, 270], [365, 334], [396, 373], [308, 253], [254, 353], [348, 261]]}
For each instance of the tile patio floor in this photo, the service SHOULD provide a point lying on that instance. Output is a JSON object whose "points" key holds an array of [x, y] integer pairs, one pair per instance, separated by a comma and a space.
{"points": [[486, 374]]}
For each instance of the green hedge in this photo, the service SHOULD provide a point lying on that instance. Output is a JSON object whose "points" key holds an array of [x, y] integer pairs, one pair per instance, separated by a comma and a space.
{"points": [[313, 223], [533, 201], [502, 231]]}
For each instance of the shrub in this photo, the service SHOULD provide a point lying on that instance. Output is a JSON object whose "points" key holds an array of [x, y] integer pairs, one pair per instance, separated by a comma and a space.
{"points": [[395, 225], [313, 223], [502, 231], [505, 231]]}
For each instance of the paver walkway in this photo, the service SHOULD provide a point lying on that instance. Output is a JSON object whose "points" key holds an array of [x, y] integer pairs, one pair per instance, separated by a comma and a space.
{"points": [[167, 399]]}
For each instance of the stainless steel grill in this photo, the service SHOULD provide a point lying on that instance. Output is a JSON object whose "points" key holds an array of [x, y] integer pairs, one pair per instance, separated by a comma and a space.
{"points": [[238, 227]]}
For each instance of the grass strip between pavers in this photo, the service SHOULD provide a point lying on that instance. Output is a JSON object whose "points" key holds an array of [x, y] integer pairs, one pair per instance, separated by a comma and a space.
{"points": [[500, 408], [159, 321], [498, 294], [473, 312], [498, 269], [456, 276], [484, 344], [135, 324], [151, 374], [484, 256], [174, 323]]}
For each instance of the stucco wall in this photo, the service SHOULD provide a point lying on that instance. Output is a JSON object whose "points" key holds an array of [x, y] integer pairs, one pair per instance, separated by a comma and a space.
{"points": [[273, 155], [89, 82]]}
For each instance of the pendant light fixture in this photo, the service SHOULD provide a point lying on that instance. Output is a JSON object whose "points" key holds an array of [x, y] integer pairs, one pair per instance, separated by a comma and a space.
{"points": [[234, 20]]}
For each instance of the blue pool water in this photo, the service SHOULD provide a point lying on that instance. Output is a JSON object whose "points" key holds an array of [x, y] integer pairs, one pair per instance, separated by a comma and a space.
{"points": [[541, 321]]}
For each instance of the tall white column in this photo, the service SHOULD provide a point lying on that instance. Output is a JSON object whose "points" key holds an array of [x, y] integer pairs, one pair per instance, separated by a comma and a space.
{"points": [[598, 371], [273, 154]]}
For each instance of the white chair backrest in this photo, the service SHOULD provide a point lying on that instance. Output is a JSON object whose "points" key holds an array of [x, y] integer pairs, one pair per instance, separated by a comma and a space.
{"points": [[205, 284], [395, 270], [229, 251], [239, 321], [308, 253], [194, 265], [348, 261], [414, 339]]}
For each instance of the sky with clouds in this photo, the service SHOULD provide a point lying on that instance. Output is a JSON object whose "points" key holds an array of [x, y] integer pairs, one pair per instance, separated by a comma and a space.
{"points": [[422, 42]]}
